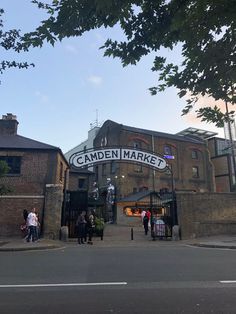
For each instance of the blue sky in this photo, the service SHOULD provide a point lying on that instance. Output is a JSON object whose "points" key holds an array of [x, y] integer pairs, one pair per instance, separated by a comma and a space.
{"points": [[72, 84]]}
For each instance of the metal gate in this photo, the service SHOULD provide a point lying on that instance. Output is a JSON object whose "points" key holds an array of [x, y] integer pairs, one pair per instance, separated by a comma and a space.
{"points": [[76, 202], [163, 214]]}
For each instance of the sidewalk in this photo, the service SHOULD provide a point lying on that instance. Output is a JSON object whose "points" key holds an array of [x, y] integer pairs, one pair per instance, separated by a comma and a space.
{"points": [[118, 236], [19, 244]]}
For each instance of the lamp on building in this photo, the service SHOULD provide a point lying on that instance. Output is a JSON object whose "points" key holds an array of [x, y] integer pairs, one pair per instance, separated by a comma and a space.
{"points": [[119, 182]]}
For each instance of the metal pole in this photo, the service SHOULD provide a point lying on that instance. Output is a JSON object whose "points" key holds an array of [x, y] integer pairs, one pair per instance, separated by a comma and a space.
{"points": [[173, 212], [154, 172]]}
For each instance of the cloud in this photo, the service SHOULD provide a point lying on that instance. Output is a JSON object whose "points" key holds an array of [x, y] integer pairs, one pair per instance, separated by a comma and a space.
{"points": [[95, 80], [42, 97]]}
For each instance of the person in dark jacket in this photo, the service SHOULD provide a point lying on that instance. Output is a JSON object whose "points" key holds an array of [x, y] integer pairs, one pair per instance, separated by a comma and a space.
{"points": [[81, 228], [90, 227], [145, 223]]}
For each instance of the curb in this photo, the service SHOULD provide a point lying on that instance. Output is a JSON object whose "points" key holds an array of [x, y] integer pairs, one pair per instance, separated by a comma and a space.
{"points": [[33, 248], [214, 246]]}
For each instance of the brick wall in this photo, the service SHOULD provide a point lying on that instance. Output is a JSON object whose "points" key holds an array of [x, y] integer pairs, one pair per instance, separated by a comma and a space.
{"points": [[11, 210], [52, 212], [205, 214]]}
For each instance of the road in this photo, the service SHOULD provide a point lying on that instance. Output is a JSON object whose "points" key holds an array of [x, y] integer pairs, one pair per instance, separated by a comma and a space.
{"points": [[88, 279]]}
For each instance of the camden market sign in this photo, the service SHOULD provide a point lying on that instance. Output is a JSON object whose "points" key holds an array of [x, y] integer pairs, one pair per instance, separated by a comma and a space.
{"points": [[91, 157]]}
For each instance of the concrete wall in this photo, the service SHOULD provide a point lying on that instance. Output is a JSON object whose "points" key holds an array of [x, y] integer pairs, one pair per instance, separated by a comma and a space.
{"points": [[205, 214]]}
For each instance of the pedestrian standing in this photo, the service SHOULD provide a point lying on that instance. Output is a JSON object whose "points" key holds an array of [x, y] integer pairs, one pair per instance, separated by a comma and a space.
{"points": [[145, 223], [90, 227], [81, 228], [143, 213], [32, 222]]}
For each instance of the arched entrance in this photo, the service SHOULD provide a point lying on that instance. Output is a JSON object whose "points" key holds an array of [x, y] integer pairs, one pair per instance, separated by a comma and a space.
{"points": [[91, 157]]}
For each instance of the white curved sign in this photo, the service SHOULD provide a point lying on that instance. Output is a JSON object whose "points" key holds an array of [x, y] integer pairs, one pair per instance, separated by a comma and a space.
{"points": [[88, 158]]}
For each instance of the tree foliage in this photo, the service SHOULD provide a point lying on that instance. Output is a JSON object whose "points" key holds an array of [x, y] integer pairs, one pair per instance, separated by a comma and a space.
{"points": [[205, 29], [11, 40]]}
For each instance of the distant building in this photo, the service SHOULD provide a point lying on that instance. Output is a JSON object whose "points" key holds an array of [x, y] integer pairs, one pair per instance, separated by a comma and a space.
{"points": [[222, 159], [88, 143]]}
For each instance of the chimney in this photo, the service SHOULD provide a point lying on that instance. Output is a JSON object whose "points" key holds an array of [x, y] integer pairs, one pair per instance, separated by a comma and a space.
{"points": [[8, 124]]}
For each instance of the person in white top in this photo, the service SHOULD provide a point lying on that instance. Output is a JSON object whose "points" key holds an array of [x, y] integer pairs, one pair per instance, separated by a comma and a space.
{"points": [[32, 223], [143, 213]]}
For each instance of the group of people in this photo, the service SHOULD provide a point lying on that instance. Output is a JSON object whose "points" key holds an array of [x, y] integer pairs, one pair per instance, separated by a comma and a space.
{"points": [[31, 227], [85, 227], [157, 223]]}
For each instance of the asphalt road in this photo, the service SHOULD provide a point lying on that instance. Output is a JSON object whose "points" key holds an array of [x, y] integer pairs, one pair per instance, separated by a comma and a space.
{"points": [[86, 279]]}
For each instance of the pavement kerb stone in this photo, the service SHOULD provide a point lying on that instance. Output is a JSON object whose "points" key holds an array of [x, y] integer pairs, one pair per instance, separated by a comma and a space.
{"points": [[38, 248], [214, 246]]}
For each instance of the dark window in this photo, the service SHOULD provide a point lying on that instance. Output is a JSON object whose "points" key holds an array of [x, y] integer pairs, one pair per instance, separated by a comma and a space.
{"points": [[167, 150], [14, 163], [82, 183], [138, 168], [137, 144], [96, 173], [194, 154], [113, 167], [195, 172], [135, 190], [61, 171], [104, 169]]}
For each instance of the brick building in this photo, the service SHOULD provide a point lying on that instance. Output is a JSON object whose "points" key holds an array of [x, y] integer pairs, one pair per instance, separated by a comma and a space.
{"points": [[224, 164], [36, 179], [188, 159]]}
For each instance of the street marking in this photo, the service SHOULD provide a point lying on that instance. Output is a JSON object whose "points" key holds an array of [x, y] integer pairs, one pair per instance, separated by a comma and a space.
{"points": [[66, 284], [228, 281]]}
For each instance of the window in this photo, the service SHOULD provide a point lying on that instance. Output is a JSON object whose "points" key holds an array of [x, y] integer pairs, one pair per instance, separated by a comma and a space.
{"points": [[137, 144], [113, 167], [222, 147], [194, 154], [104, 169], [167, 150], [14, 163], [195, 172], [138, 168], [61, 171], [135, 190], [96, 173], [82, 183]]}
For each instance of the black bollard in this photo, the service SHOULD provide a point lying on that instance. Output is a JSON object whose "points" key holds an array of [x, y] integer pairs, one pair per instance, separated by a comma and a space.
{"points": [[132, 234], [101, 234]]}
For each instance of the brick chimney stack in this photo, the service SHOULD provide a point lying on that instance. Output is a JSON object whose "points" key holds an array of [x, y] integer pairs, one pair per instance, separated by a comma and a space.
{"points": [[8, 124]]}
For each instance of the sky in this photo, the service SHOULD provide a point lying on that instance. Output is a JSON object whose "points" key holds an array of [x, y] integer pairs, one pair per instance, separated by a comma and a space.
{"points": [[73, 86]]}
